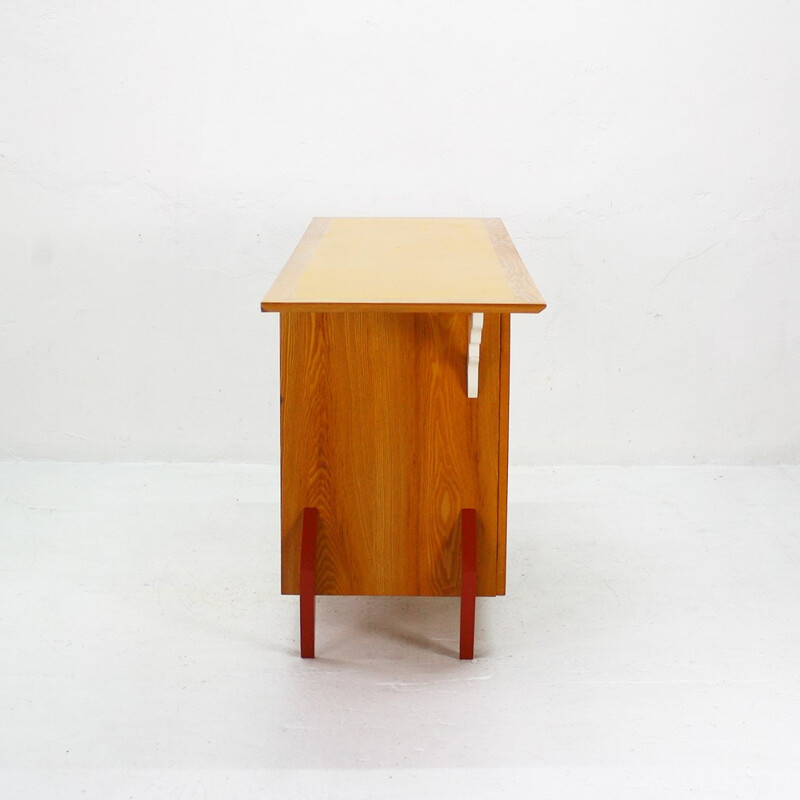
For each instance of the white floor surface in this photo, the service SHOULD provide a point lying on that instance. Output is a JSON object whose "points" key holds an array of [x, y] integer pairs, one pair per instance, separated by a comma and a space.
{"points": [[648, 647]]}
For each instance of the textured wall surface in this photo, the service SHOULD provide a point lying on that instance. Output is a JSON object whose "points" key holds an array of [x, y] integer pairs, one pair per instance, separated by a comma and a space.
{"points": [[159, 160]]}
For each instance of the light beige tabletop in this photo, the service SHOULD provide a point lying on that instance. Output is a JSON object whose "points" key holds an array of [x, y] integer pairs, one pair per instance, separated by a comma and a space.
{"points": [[404, 264]]}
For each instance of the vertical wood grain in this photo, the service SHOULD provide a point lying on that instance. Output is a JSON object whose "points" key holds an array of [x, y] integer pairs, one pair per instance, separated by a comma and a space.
{"points": [[378, 434], [502, 484]]}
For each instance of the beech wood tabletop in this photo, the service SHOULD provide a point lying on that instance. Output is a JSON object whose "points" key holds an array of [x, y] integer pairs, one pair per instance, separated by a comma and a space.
{"points": [[404, 264]]}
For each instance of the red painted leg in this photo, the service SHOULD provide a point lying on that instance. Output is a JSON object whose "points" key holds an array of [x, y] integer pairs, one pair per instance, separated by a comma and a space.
{"points": [[308, 599], [469, 581]]}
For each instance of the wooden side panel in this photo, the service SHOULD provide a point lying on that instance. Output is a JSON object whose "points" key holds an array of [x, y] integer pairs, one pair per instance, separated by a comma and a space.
{"points": [[502, 484], [378, 434]]}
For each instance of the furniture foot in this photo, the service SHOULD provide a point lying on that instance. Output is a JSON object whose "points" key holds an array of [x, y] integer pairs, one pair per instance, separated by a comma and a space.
{"points": [[469, 581], [308, 598]]}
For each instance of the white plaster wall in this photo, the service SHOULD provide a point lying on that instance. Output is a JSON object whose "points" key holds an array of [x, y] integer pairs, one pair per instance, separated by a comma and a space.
{"points": [[158, 161]]}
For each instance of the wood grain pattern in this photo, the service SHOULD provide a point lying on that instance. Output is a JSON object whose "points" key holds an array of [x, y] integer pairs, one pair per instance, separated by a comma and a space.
{"points": [[502, 466], [378, 434], [405, 265], [517, 276]]}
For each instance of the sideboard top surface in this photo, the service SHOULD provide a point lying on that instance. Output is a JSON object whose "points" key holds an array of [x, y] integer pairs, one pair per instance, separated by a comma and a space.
{"points": [[404, 264]]}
